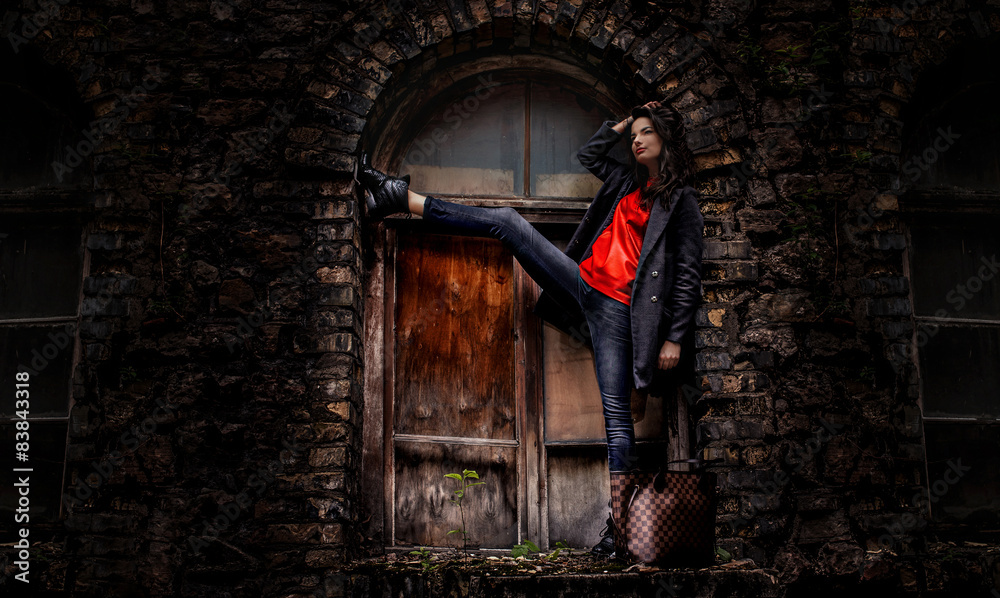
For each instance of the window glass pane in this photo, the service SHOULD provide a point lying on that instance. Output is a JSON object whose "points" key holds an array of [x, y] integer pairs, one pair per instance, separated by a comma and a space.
{"points": [[963, 472], [573, 409], [958, 365], [561, 123], [48, 352], [47, 451], [957, 145], [40, 270], [33, 137], [955, 266], [474, 146], [572, 398]]}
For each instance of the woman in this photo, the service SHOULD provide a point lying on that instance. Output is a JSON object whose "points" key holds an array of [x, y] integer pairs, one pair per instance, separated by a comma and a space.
{"points": [[629, 281]]}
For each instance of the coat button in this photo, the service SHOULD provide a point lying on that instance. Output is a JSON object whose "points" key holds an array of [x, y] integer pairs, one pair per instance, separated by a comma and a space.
{"points": [[577, 242], [653, 299], [655, 273], [588, 218]]}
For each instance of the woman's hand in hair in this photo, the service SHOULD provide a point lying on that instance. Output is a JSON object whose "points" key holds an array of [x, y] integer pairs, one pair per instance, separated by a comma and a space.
{"points": [[626, 123]]}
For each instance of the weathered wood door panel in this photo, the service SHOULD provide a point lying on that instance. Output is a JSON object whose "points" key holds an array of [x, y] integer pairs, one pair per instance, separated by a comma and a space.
{"points": [[454, 399], [454, 338], [578, 490], [424, 513]]}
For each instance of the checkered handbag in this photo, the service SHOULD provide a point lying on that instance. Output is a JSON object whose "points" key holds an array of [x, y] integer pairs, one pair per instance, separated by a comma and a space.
{"points": [[662, 516]]}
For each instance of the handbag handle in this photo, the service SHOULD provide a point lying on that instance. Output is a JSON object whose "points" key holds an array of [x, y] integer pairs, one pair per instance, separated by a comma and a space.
{"points": [[628, 511], [619, 533]]}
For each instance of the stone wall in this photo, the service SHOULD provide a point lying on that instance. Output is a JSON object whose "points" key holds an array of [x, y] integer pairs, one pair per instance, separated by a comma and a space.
{"points": [[218, 398]]}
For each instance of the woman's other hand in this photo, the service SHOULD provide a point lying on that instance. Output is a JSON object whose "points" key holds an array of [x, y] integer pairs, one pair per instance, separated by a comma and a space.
{"points": [[670, 354]]}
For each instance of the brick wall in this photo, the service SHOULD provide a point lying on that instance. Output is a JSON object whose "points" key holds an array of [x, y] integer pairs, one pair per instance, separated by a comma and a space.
{"points": [[221, 319]]}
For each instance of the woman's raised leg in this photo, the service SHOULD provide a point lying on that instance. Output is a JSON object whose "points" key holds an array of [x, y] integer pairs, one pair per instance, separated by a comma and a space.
{"points": [[416, 202], [547, 265]]}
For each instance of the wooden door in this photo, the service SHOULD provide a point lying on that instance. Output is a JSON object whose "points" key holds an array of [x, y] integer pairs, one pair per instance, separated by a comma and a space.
{"points": [[454, 402], [472, 380]]}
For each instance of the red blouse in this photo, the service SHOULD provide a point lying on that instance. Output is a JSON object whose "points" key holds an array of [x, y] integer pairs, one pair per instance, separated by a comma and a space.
{"points": [[610, 268]]}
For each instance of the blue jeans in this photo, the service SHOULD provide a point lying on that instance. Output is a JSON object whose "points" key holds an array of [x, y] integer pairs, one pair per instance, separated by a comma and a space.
{"points": [[608, 319]]}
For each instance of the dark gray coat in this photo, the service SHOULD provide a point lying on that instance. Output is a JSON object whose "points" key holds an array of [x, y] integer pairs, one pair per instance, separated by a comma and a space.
{"points": [[667, 288]]}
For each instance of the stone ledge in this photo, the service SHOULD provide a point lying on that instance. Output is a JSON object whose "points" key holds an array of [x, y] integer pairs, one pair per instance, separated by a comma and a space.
{"points": [[586, 577], [946, 567]]}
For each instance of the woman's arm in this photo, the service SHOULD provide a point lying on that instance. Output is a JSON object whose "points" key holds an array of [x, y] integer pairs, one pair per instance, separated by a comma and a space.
{"points": [[685, 292], [623, 125], [594, 154]]}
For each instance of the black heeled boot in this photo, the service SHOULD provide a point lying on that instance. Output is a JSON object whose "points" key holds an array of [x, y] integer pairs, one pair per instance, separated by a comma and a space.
{"points": [[384, 194], [606, 547]]}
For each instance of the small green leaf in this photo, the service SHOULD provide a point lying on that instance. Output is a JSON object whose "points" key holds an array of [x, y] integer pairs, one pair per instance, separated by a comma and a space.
{"points": [[471, 474], [531, 545], [453, 476], [454, 531]]}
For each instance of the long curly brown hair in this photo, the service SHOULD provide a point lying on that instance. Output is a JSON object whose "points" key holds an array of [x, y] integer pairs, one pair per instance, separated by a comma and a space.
{"points": [[676, 163]]}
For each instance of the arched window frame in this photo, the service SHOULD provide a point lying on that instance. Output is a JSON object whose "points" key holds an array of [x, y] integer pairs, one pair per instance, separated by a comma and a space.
{"points": [[396, 122], [409, 113]]}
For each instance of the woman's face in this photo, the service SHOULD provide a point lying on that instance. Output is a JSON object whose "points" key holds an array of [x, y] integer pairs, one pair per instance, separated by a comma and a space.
{"points": [[646, 144]]}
